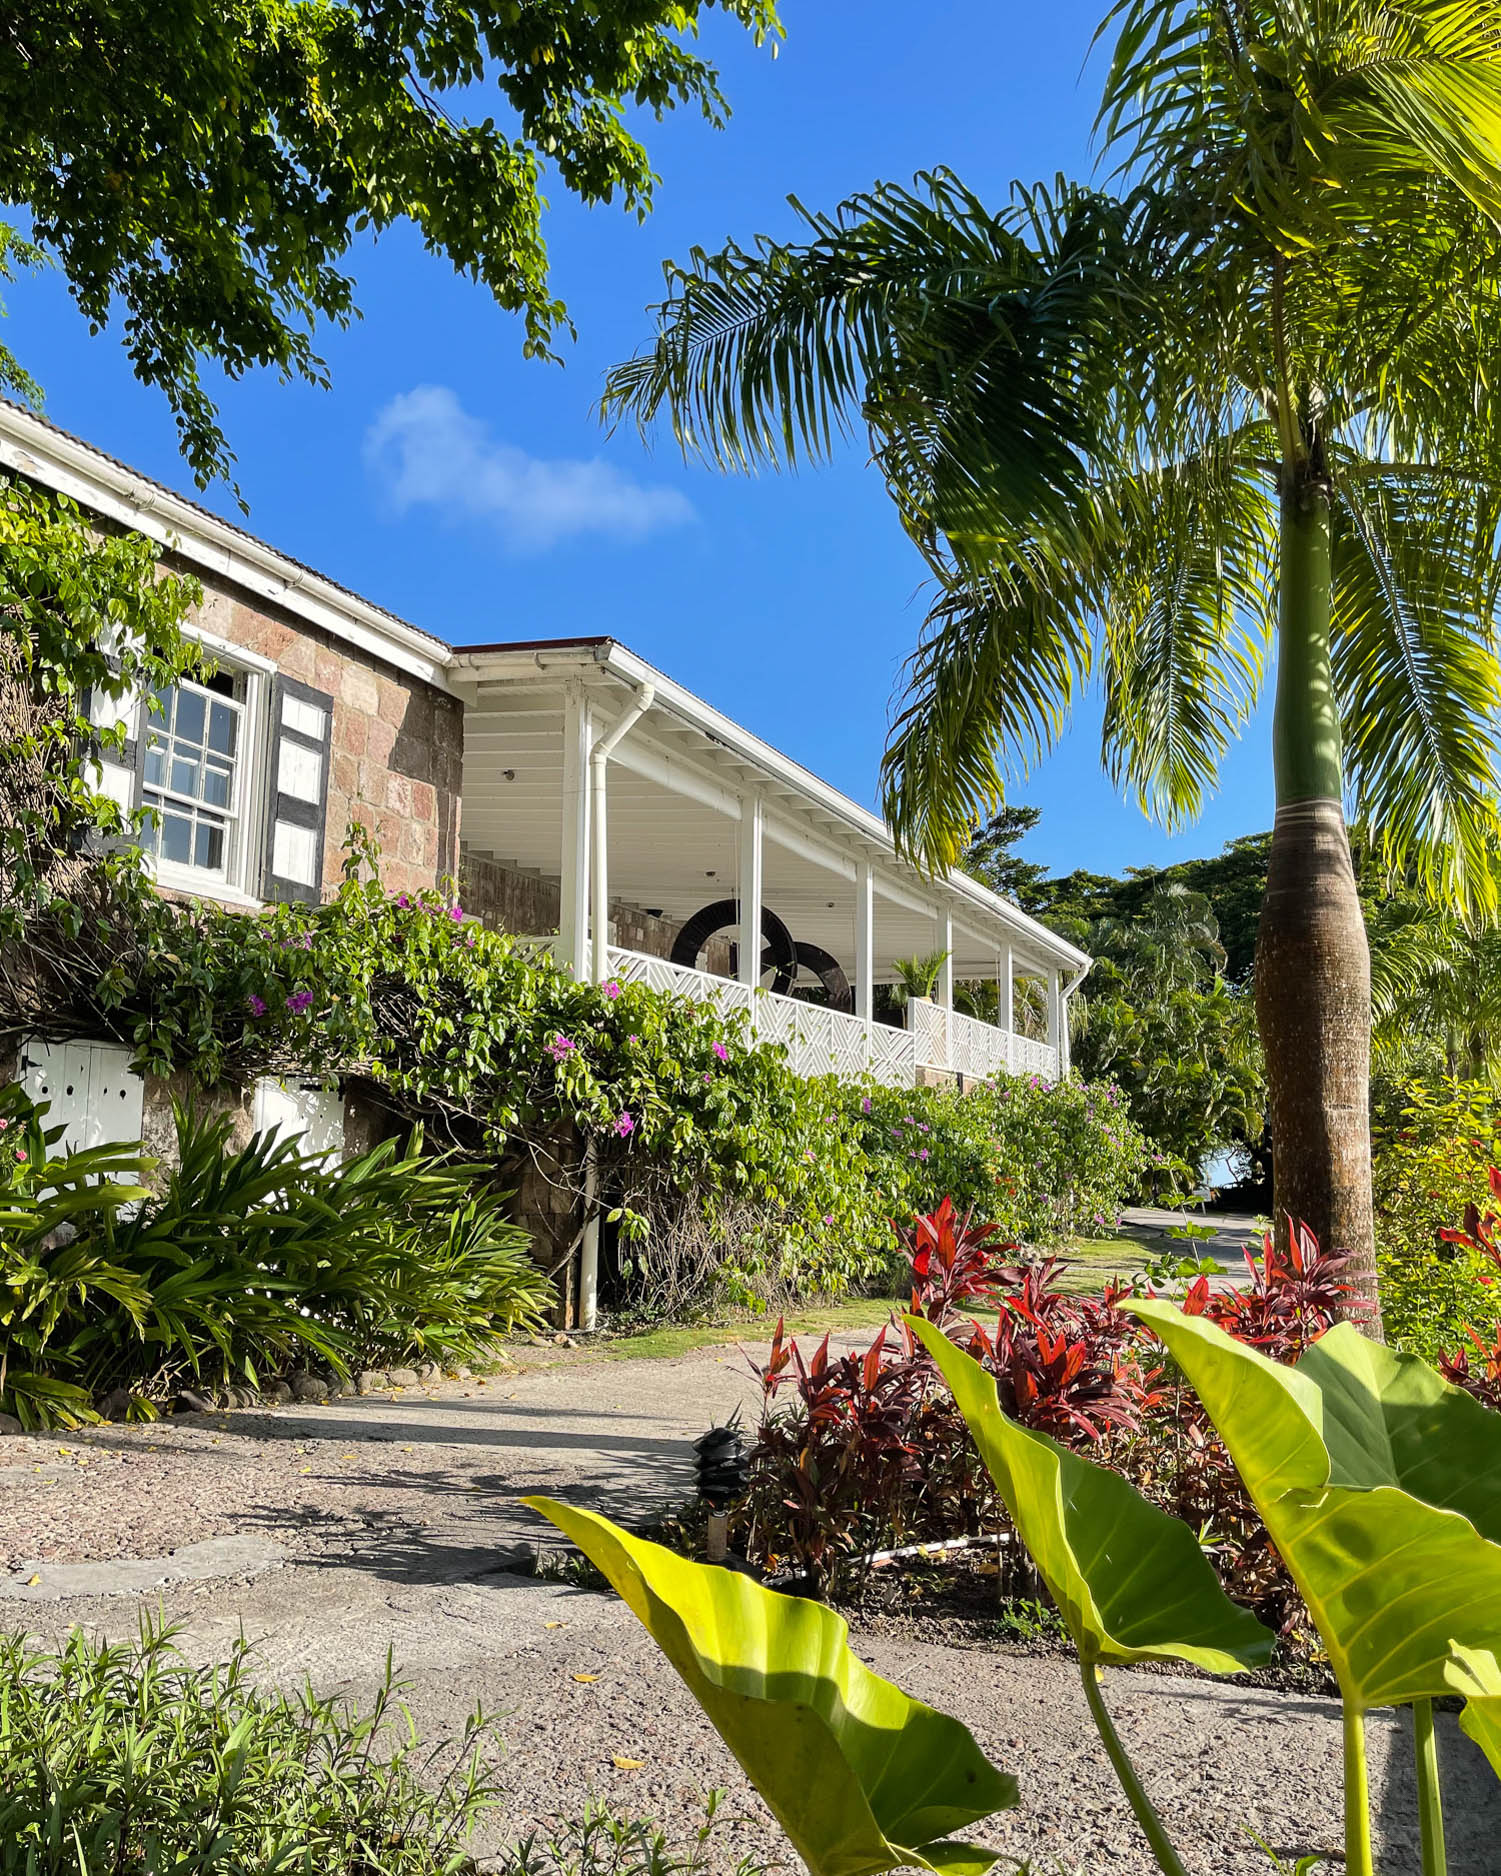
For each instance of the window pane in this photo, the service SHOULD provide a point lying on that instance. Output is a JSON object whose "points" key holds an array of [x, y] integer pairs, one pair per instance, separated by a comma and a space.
{"points": [[222, 723], [160, 710], [216, 784], [190, 715], [184, 776], [209, 845], [177, 839], [156, 765]]}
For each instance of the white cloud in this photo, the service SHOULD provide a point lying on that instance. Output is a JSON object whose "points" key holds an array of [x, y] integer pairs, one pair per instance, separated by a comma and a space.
{"points": [[426, 450]]}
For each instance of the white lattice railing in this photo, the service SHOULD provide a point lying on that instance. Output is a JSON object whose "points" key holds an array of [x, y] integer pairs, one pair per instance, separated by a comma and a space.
{"points": [[961, 1045], [818, 1041]]}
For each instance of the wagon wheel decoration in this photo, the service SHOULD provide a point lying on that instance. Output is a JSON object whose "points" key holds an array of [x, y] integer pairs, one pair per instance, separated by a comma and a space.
{"points": [[780, 955], [830, 973]]}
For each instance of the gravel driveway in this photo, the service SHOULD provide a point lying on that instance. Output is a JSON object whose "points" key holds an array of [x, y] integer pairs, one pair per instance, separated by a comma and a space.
{"points": [[331, 1534]]}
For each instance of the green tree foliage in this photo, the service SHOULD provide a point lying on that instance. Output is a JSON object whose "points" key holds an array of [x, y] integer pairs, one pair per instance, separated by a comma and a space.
{"points": [[1432, 1160], [1143, 435], [199, 171], [87, 618], [1163, 1013], [1159, 1017]]}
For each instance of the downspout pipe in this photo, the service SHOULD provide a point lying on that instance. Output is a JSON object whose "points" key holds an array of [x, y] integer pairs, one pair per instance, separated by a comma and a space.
{"points": [[599, 970], [599, 868]]}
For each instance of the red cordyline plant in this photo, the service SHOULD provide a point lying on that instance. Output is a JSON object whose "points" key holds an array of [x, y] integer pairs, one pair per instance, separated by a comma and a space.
{"points": [[1179, 1461], [1478, 1373], [1292, 1298], [871, 1450]]}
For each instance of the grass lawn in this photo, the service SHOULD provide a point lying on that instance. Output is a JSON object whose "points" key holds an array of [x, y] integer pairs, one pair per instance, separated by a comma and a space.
{"points": [[1089, 1262], [865, 1312]]}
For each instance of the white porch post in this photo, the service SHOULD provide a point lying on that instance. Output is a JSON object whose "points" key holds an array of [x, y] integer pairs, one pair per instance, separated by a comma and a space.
{"points": [[946, 946], [573, 898], [1005, 998], [1055, 1015], [865, 941], [752, 828]]}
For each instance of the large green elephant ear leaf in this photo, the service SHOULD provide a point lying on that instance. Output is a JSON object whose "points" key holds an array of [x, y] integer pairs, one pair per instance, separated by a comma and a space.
{"points": [[1475, 1674], [1131, 1581], [860, 1777], [1336, 1455], [1391, 1419]]}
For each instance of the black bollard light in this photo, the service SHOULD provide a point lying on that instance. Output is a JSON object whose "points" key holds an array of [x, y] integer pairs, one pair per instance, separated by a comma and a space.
{"points": [[723, 1474]]}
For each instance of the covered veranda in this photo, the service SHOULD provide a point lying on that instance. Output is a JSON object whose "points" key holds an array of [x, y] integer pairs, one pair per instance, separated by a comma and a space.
{"points": [[585, 767]]}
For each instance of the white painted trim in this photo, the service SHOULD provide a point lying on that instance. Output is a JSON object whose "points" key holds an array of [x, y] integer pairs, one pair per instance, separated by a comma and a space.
{"points": [[946, 946], [865, 942], [752, 871], [573, 908], [899, 882], [32, 448]]}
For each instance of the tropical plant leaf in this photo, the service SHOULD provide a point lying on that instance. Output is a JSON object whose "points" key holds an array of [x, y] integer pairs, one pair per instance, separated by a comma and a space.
{"points": [[1475, 1674], [860, 1777], [1416, 673], [1131, 1582], [1380, 1485]]}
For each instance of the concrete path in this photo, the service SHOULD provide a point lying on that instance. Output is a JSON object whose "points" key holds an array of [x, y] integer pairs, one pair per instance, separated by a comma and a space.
{"points": [[394, 1519], [1233, 1231]]}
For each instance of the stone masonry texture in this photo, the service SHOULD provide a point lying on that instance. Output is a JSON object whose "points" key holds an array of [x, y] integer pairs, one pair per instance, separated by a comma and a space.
{"points": [[398, 744]]}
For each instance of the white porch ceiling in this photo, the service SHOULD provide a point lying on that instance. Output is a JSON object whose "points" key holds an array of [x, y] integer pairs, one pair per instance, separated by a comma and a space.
{"points": [[674, 792]]}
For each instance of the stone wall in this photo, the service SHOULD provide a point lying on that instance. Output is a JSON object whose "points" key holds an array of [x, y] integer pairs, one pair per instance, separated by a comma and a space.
{"points": [[510, 899], [398, 744]]}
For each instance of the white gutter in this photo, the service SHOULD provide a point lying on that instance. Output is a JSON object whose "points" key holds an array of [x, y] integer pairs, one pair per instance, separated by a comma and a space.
{"points": [[599, 759]]}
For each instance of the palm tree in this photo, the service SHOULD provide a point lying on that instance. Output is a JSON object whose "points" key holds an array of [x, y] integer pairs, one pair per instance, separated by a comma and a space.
{"points": [[1239, 405]]}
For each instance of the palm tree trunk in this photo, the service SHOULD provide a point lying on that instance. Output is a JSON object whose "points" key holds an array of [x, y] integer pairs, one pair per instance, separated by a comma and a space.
{"points": [[1313, 967]]}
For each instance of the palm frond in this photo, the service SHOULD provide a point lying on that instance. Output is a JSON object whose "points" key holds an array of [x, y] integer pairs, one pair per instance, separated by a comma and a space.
{"points": [[1188, 611], [966, 350], [1416, 674], [986, 693]]}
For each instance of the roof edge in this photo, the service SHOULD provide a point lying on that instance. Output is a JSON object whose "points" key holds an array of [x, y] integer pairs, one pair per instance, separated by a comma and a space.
{"points": [[37, 449], [617, 660]]}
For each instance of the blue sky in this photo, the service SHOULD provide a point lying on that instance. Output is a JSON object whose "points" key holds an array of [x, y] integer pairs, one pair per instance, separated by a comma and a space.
{"points": [[475, 493]]}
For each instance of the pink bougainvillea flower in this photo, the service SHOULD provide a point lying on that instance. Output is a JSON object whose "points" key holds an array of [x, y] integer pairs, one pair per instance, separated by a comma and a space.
{"points": [[20, 1152], [865, 1105], [456, 913], [625, 1126], [404, 901], [3, 1125], [721, 1051], [299, 1000], [828, 1218], [612, 990], [560, 1048], [257, 1006]]}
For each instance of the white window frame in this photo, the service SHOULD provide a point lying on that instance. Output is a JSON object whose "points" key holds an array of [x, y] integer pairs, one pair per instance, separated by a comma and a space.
{"points": [[237, 882]]}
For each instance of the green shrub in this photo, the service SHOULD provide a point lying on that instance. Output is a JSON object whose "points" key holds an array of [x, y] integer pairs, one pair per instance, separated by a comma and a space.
{"points": [[125, 1759], [245, 1264], [1429, 1164], [1045, 1161], [690, 1120]]}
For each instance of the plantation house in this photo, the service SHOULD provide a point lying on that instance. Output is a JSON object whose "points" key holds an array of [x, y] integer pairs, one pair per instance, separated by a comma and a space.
{"points": [[576, 794]]}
